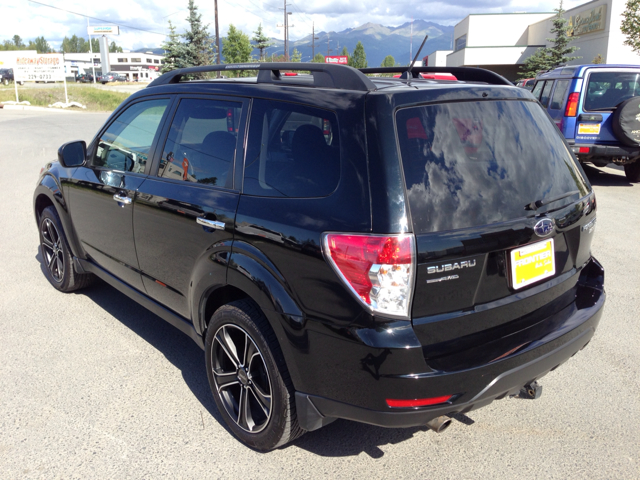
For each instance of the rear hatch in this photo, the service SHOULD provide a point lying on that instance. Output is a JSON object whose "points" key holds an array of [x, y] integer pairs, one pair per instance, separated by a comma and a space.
{"points": [[498, 207], [603, 90]]}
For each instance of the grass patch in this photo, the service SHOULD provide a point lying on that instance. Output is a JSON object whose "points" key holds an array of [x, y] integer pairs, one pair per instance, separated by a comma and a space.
{"points": [[95, 99]]}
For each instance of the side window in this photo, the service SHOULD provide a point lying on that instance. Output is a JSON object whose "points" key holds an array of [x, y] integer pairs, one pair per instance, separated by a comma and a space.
{"points": [[201, 146], [126, 143], [537, 90], [558, 94], [546, 93], [293, 151]]}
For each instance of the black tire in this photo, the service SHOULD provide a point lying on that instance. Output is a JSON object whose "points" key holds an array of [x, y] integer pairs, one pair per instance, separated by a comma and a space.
{"points": [[265, 375], [56, 254], [625, 122], [632, 171], [5, 81]]}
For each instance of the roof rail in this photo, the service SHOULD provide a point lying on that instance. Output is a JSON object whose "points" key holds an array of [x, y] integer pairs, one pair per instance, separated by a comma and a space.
{"points": [[324, 75], [467, 74]]}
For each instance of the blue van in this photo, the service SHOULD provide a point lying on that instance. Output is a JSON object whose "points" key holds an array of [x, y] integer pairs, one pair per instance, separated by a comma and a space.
{"points": [[597, 109]]}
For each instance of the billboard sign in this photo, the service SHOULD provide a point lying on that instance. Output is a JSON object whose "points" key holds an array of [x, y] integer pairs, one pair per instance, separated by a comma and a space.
{"points": [[104, 30], [588, 21], [40, 68], [339, 59]]}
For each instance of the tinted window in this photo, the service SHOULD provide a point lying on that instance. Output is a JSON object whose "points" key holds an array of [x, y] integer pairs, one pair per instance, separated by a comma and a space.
{"points": [[546, 93], [476, 163], [608, 89], [558, 94], [201, 147], [126, 143], [537, 90], [293, 151]]}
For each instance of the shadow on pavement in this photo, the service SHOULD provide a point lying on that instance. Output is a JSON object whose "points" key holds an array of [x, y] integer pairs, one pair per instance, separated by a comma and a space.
{"points": [[341, 438], [606, 177]]}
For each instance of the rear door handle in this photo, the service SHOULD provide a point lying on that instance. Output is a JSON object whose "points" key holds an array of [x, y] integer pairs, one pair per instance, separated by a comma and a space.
{"points": [[121, 199], [210, 223]]}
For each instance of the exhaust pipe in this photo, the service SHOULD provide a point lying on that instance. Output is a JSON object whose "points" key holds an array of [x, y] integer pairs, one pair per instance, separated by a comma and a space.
{"points": [[439, 424]]}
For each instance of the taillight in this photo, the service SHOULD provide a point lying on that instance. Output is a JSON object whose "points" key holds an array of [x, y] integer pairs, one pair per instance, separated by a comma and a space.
{"points": [[572, 105], [378, 269], [418, 402]]}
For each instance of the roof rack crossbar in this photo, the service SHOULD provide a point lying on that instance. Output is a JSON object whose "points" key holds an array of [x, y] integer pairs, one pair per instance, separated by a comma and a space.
{"points": [[467, 74], [324, 75]]}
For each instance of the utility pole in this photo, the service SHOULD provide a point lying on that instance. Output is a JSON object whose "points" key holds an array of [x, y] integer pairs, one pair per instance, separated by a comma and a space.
{"points": [[286, 30], [313, 40], [217, 36]]}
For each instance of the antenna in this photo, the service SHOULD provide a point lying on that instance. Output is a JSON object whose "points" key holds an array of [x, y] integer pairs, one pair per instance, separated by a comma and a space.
{"points": [[416, 57]]}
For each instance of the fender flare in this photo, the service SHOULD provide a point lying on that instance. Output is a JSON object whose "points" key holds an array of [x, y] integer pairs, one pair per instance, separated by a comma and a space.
{"points": [[49, 187]]}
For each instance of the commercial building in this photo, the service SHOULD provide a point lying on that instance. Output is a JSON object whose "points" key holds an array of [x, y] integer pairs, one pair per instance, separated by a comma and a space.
{"points": [[134, 65], [502, 42]]}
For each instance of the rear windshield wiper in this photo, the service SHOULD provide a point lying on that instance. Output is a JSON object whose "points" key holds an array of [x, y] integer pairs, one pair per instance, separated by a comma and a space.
{"points": [[540, 203]]}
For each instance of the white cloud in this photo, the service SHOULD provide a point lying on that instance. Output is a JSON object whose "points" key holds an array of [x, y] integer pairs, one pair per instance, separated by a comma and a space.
{"points": [[30, 20]]}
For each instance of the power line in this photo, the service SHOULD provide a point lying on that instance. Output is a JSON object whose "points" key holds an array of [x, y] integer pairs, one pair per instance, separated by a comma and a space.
{"points": [[99, 19]]}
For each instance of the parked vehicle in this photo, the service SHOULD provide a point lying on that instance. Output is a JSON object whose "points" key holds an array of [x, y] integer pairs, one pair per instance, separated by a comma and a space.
{"points": [[86, 78], [597, 109], [383, 250], [6, 76], [527, 83], [112, 77]]}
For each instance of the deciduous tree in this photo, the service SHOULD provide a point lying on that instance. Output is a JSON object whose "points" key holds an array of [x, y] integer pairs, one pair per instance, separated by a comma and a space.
{"points": [[631, 25], [319, 58], [236, 48]]}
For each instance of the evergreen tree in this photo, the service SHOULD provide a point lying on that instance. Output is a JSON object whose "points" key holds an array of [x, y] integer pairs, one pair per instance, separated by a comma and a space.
{"points": [[113, 48], [359, 58], [236, 48], [559, 52], [40, 45], [296, 56], [345, 52], [174, 51], [536, 63], [319, 58], [631, 25], [199, 48], [17, 41], [261, 42]]}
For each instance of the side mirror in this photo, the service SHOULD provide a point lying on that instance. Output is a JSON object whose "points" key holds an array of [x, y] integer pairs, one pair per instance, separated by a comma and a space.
{"points": [[72, 154]]}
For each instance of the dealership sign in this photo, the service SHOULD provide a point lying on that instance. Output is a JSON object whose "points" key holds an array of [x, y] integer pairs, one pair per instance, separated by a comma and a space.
{"points": [[588, 21], [340, 59], [104, 30], [40, 68]]}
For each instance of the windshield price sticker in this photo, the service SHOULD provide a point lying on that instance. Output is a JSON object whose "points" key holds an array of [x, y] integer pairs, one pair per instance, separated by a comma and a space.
{"points": [[40, 67], [589, 129], [532, 263]]}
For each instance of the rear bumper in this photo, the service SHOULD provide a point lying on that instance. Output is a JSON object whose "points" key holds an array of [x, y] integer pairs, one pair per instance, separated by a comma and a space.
{"points": [[600, 151], [475, 387]]}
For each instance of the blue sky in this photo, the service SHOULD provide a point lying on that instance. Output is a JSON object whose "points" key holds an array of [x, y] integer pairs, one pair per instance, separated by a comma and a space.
{"points": [[29, 19]]}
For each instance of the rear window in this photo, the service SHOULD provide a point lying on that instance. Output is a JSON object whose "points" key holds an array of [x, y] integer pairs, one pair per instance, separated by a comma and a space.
{"points": [[476, 163], [607, 89]]}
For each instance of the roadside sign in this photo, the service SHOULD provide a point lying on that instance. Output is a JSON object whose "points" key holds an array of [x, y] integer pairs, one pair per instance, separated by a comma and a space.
{"points": [[104, 30], [48, 67], [340, 59]]}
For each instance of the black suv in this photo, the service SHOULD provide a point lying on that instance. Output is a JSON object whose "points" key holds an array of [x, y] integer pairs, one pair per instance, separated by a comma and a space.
{"points": [[385, 250]]}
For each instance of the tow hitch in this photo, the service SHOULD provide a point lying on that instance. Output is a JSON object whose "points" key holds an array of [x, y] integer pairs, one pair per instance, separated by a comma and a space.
{"points": [[531, 391]]}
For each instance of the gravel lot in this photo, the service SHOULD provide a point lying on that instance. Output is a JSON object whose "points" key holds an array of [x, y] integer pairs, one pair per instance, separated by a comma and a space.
{"points": [[94, 386]]}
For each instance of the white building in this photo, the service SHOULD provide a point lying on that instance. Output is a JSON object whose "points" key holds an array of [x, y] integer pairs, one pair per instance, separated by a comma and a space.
{"points": [[144, 67], [502, 42]]}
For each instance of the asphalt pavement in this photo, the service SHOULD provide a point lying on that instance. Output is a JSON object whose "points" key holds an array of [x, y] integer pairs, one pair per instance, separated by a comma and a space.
{"points": [[92, 385]]}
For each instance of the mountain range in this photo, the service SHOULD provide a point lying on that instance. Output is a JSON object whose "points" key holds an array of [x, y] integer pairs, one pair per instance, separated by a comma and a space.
{"points": [[378, 41]]}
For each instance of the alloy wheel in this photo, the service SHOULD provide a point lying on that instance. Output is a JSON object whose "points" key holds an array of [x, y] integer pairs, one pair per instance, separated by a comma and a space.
{"points": [[241, 378], [52, 250]]}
